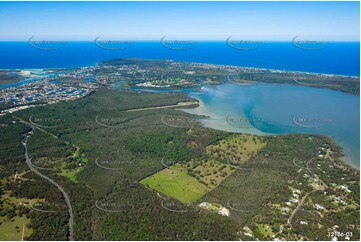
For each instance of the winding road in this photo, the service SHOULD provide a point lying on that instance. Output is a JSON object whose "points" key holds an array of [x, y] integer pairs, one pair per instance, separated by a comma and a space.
{"points": [[33, 169]]}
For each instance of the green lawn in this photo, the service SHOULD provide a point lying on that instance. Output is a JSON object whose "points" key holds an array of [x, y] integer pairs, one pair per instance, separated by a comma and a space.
{"points": [[71, 174], [177, 184], [265, 230], [13, 230]]}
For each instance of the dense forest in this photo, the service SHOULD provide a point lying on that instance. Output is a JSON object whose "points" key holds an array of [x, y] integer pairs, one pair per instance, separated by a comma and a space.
{"points": [[99, 151]]}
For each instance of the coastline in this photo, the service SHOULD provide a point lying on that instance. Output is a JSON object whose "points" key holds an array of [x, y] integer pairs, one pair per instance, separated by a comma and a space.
{"points": [[188, 62], [281, 71], [217, 120]]}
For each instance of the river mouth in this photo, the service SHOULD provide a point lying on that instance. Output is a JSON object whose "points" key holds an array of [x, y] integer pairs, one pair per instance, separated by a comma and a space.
{"points": [[275, 109]]}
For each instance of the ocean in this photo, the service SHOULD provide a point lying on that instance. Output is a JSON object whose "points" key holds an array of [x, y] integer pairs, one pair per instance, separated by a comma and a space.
{"points": [[340, 58]]}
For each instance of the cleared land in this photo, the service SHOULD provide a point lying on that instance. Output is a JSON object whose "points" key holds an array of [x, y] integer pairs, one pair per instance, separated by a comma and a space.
{"points": [[236, 149], [12, 230], [177, 184], [190, 181], [181, 104], [211, 172]]}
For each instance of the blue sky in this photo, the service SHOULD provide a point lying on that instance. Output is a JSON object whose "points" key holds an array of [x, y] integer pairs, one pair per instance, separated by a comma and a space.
{"points": [[198, 20]]}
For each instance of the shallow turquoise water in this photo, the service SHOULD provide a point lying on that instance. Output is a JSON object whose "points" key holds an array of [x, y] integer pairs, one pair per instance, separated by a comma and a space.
{"points": [[281, 109]]}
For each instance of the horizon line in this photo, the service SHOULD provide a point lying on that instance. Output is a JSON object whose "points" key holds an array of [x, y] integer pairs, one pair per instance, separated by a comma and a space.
{"points": [[165, 37]]}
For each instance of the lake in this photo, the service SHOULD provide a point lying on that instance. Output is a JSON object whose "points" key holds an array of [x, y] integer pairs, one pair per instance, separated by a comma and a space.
{"points": [[264, 109]]}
